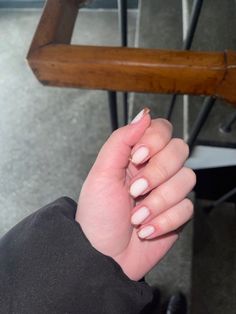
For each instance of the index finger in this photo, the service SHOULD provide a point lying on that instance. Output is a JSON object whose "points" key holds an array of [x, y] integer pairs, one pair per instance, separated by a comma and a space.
{"points": [[155, 138]]}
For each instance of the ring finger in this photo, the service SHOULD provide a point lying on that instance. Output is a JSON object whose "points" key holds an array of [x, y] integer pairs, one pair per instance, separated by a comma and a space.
{"points": [[164, 197], [168, 221]]}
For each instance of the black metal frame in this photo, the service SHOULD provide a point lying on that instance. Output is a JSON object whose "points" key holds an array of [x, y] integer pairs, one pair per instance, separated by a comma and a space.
{"points": [[227, 126], [123, 23], [221, 200], [122, 7], [112, 95], [200, 120], [112, 101]]}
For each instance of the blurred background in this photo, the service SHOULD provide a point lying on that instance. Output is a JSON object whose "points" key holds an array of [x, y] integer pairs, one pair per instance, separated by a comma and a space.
{"points": [[50, 136]]}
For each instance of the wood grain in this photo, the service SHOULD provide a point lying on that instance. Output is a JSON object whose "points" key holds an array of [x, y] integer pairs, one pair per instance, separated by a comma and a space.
{"points": [[56, 23], [57, 63]]}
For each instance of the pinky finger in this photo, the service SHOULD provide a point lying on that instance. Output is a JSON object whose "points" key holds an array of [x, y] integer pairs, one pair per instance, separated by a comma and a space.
{"points": [[168, 221]]}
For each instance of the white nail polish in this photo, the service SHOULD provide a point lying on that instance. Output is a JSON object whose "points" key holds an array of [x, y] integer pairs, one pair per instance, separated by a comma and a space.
{"points": [[146, 232], [140, 115], [138, 187], [140, 155], [140, 215]]}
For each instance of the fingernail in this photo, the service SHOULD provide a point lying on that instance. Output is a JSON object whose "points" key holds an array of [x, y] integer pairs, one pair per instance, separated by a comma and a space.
{"points": [[140, 215], [138, 187], [140, 155], [140, 115], [146, 232]]}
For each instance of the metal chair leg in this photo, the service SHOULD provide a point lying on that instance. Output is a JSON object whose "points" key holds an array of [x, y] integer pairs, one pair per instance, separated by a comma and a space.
{"points": [[125, 107], [112, 100], [123, 19], [171, 107], [196, 10], [221, 200], [122, 5], [201, 119], [227, 127]]}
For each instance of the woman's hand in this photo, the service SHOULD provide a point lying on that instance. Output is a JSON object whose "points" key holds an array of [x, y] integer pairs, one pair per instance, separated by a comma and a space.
{"points": [[134, 199]]}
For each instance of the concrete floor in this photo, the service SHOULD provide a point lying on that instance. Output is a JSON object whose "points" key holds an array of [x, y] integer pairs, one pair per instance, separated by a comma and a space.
{"points": [[214, 262], [49, 136]]}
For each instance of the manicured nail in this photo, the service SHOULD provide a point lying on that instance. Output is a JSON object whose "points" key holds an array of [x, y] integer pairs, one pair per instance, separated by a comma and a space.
{"points": [[140, 155], [140, 215], [146, 232], [138, 187], [140, 115]]}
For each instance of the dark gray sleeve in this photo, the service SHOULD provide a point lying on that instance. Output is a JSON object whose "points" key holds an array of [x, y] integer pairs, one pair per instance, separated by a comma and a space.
{"points": [[47, 265]]}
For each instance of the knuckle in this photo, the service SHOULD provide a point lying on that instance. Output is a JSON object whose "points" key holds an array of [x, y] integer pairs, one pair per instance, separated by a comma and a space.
{"points": [[161, 142], [163, 127], [166, 124], [116, 133], [161, 201], [118, 136], [189, 207], [162, 173], [191, 176], [113, 136], [181, 145], [167, 222]]}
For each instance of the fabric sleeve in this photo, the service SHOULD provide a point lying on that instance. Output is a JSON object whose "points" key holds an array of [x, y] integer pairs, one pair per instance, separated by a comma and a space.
{"points": [[47, 265]]}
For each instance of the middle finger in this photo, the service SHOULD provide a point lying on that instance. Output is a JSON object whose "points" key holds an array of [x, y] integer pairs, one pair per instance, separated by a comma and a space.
{"points": [[160, 168]]}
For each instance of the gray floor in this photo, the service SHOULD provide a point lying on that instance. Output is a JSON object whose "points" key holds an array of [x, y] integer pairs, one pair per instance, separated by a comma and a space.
{"points": [[214, 260], [49, 136]]}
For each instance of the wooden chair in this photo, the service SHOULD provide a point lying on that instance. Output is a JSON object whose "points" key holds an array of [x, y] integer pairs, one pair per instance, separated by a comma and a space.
{"points": [[56, 62]]}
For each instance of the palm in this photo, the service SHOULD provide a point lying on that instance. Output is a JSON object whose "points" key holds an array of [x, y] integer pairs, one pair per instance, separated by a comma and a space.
{"points": [[109, 227], [111, 221]]}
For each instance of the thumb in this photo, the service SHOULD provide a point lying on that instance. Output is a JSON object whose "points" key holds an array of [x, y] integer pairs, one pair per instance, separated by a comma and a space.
{"points": [[115, 153]]}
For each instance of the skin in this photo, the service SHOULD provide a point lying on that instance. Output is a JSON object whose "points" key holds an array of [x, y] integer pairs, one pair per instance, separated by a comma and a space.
{"points": [[105, 205]]}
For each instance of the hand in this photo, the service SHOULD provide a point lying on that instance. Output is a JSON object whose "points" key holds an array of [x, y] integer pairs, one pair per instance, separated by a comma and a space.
{"points": [[131, 209]]}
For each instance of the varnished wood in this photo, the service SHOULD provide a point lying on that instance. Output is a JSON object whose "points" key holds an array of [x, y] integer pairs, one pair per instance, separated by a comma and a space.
{"points": [[227, 88], [56, 23], [57, 63]]}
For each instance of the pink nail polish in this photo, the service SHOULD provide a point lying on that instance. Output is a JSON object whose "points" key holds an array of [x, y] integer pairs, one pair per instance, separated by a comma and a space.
{"points": [[146, 232], [140, 115], [140, 155], [138, 187], [140, 215]]}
